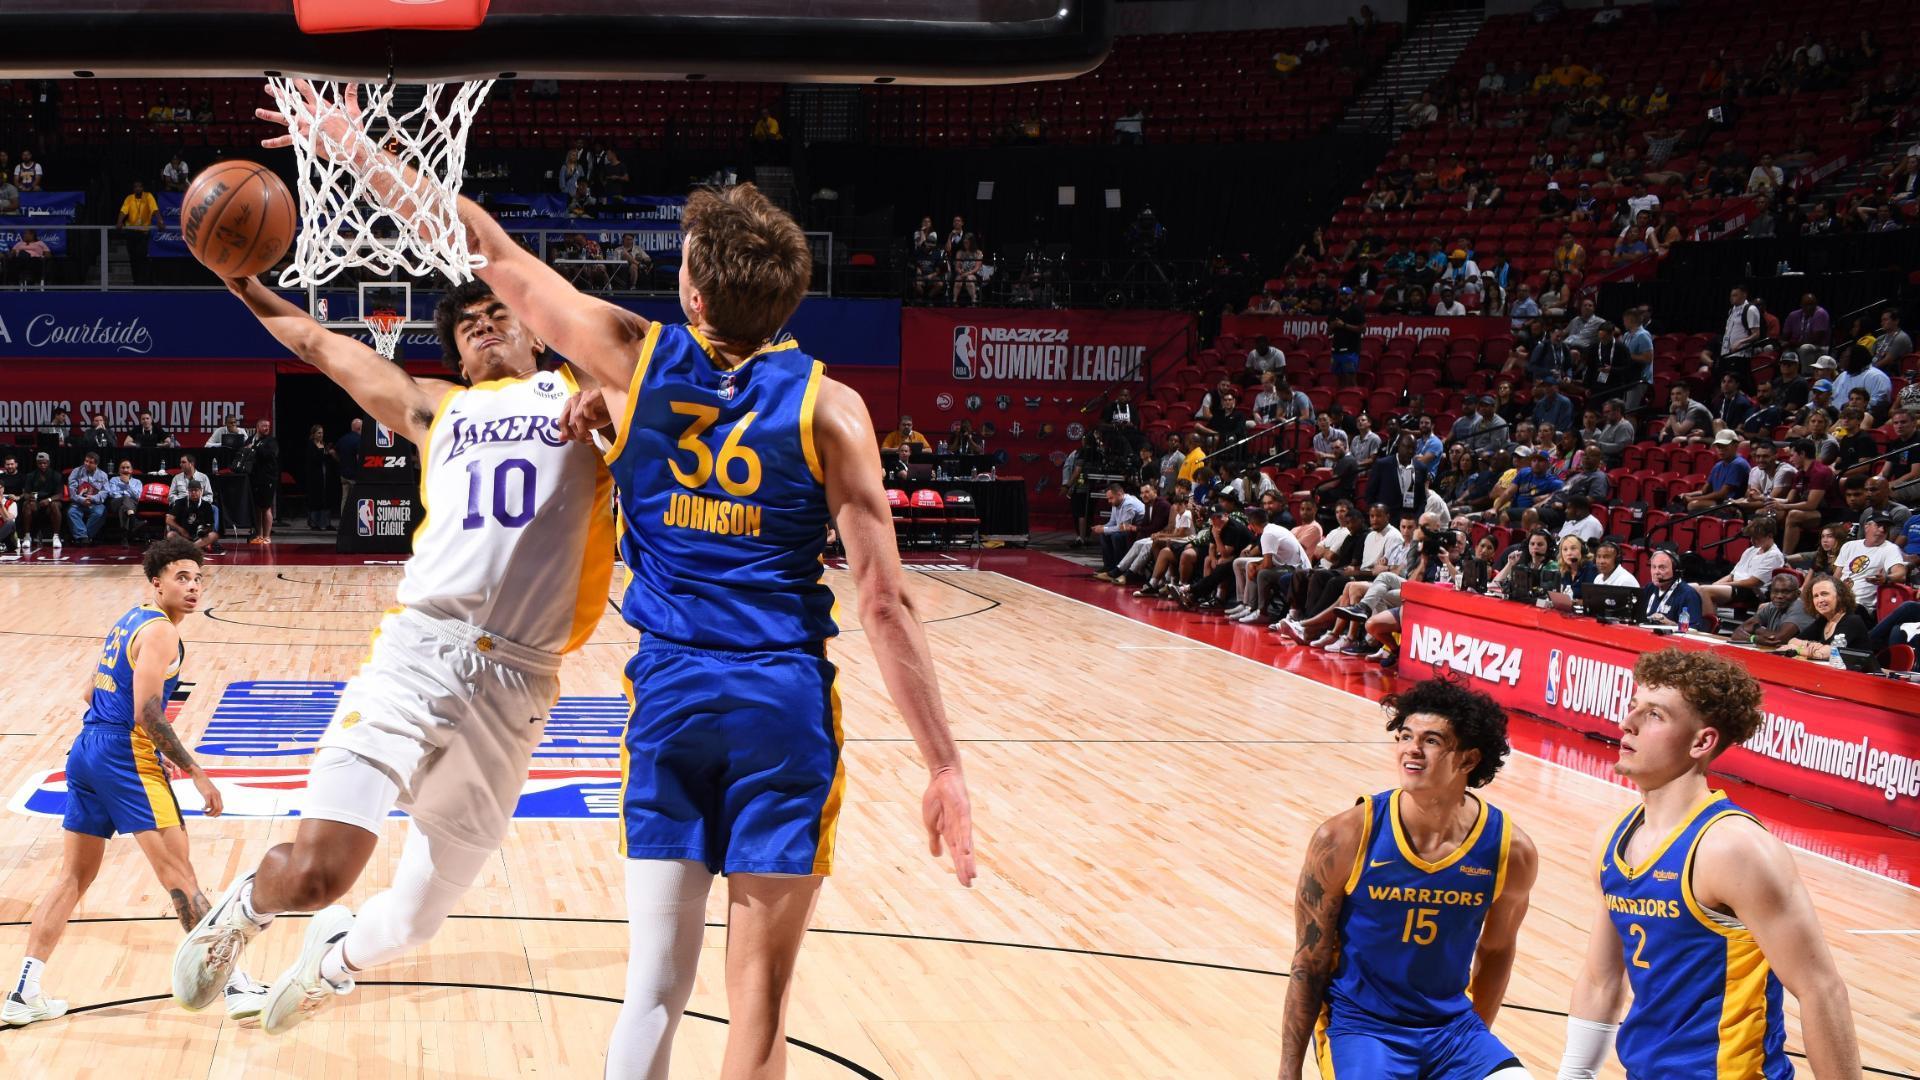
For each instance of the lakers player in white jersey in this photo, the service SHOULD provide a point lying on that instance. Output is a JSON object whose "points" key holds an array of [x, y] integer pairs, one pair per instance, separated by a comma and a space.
{"points": [[510, 570]]}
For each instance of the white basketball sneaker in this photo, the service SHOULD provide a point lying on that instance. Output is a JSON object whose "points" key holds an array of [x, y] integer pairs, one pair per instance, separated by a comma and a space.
{"points": [[203, 964], [245, 997], [301, 990], [19, 1012]]}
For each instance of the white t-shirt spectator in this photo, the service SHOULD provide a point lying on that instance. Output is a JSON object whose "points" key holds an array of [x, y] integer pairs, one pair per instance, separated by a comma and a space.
{"points": [[1587, 528], [1857, 563], [1278, 541], [1762, 486], [178, 489], [1333, 542], [1621, 578], [1271, 360], [1454, 310], [1648, 202], [1386, 544], [1764, 179], [1437, 506], [175, 172], [1757, 565], [1742, 321]]}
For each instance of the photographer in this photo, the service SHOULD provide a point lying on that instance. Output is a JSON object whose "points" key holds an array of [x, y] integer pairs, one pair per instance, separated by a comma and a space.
{"points": [[1442, 553]]}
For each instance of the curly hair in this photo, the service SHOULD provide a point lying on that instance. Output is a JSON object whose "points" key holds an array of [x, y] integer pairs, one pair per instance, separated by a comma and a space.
{"points": [[164, 553], [1724, 694], [1845, 602], [1478, 721], [446, 322]]}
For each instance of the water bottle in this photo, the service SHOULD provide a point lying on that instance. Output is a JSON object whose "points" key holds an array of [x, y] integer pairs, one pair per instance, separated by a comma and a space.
{"points": [[1833, 652], [943, 446], [1686, 621]]}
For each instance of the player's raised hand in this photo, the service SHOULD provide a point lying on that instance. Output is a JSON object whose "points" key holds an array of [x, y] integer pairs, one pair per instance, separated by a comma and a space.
{"points": [[949, 819], [342, 136], [210, 794], [583, 414]]}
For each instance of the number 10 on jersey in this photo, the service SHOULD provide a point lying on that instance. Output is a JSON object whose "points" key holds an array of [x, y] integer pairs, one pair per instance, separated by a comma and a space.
{"points": [[513, 485]]}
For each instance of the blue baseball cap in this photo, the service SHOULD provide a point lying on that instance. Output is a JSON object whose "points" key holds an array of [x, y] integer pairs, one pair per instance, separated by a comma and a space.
{"points": [[1824, 386]]}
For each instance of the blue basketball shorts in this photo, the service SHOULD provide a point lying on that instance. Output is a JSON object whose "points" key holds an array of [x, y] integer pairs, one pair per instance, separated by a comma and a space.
{"points": [[732, 759], [115, 784], [1364, 1048], [1345, 363]]}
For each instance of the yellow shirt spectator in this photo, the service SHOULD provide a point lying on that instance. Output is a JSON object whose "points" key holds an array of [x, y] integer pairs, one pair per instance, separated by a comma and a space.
{"points": [[1658, 102], [1594, 80], [137, 210], [896, 439], [1196, 457], [1570, 75], [766, 129]]}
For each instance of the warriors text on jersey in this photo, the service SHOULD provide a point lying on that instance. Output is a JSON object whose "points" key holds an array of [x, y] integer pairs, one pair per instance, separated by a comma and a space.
{"points": [[1706, 1005], [115, 782], [517, 519], [722, 498]]}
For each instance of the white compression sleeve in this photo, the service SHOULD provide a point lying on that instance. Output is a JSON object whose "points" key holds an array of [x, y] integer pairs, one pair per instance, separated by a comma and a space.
{"points": [[1588, 1044], [666, 924], [434, 873]]}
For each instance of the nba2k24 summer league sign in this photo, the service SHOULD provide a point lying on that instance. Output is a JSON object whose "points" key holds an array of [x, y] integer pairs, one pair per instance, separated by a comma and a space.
{"points": [[1385, 327], [188, 400], [1830, 750], [548, 794]]}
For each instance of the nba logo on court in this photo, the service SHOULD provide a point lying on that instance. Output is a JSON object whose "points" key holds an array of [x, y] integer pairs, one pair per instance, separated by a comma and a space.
{"points": [[382, 436], [1553, 677], [363, 516], [966, 346]]}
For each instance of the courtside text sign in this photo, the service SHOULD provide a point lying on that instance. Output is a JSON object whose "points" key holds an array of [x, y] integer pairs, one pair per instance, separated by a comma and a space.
{"points": [[1857, 757]]}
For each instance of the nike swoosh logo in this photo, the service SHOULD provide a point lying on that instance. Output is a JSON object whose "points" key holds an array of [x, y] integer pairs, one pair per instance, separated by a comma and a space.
{"points": [[1380, 862]]}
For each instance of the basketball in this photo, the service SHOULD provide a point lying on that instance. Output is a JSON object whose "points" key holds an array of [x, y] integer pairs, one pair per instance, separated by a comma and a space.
{"points": [[238, 218]]}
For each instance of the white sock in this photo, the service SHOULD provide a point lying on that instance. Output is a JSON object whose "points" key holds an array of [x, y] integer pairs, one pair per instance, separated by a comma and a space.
{"points": [[246, 907], [334, 967], [29, 985]]}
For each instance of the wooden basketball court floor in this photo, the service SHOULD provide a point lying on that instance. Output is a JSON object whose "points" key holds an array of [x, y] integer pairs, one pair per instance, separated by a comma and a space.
{"points": [[1141, 802]]}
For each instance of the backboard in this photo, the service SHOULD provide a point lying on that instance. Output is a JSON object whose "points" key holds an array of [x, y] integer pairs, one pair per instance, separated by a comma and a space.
{"points": [[938, 41]]}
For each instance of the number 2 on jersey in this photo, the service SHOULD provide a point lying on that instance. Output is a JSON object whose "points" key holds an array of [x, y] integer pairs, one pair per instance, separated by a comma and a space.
{"points": [[1639, 935], [503, 485], [705, 465]]}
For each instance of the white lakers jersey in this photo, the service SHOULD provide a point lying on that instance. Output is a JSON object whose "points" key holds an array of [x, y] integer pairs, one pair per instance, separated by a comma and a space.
{"points": [[517, 532]]}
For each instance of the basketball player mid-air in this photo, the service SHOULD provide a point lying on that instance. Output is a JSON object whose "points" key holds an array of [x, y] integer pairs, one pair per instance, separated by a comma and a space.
{"points": [[732, 454], [509, 571], [116, 783], [1703, 914], [1409, 906]]}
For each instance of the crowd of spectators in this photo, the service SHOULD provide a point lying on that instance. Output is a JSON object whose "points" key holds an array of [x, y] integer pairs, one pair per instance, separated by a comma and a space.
{"points": [[1799, 467], [99, 497], [948, 267]]}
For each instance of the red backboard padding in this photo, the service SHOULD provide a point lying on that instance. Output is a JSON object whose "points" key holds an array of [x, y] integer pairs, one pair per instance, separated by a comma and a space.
{"points": [[352, 16]]}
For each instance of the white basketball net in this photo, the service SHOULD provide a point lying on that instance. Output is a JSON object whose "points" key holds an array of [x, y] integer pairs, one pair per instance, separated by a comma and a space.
{"points": [[386, 328], [344, 220]]}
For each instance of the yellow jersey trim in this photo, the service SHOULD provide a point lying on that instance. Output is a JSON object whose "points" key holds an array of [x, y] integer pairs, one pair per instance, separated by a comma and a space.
{"points": [[626, 687], [1743, 1012], [807, 401], [1322, 1045], [1454, 856], [146, 764], [1620, 838], [1506, 846], [1698, 909], [1613, 837], [596, 566], [1360, 853], [623, 429], [830, 810], [426, 456]]}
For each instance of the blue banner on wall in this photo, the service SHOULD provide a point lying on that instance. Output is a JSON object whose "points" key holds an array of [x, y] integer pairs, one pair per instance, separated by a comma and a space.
{"points": [[212, 324], [42, 211]]}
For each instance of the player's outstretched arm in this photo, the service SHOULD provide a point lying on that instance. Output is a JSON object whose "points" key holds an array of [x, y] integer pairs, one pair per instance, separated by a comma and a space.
{"points": [[1599, 992], [379, 385], [1742, 867], [1316, 932], [1499, 937], [152, 652], [850, 458]]}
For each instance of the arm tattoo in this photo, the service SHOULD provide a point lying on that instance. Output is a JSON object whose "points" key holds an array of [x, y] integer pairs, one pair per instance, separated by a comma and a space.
{"points": [[1315, 952], [153, 720], [191, 909]]}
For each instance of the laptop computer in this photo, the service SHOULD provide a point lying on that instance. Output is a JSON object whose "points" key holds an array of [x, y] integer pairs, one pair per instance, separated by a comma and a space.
{"points": [[1523, 585], [1860, 660], [1615, 603]]}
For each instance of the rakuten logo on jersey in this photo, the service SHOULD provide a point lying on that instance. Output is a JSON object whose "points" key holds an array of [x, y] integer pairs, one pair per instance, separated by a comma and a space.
{"points": [[1469, 655]]}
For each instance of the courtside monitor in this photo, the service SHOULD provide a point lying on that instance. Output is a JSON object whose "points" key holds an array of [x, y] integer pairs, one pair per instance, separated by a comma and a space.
{"points": [[933, 41]]}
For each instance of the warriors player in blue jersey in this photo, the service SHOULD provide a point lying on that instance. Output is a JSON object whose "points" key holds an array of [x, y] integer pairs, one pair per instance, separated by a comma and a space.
{"points": [[1703, 915], [117, 784], [1409, 906]]}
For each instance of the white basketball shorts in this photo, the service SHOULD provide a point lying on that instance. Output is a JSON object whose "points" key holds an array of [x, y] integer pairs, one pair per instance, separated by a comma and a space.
{"points": [[452, 714]]}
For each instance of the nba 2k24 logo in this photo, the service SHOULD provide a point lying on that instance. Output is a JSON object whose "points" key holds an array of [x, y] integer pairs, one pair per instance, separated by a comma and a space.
{"points": [[1469, 655], [548, 794]]}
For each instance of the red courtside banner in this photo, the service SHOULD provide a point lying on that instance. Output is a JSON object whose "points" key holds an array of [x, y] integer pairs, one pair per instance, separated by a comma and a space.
{"points": [[1024, 376], [187, 397], [1385, 327], [1837, 738]]}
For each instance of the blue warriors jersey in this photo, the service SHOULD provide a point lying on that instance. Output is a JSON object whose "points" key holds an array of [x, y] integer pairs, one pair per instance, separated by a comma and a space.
{"points": [[113, 703], [1409, 927], [723, 506], [1706, 1005]]}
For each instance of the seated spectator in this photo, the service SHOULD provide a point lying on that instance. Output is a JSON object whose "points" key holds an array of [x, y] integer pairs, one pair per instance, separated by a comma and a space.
{"points": [[9, 194], [1900, 627], [1574, 572], [1232, 534], [59, 430], [1665, 598], [1263, 357], [28, 259], [28, 175], [1808, 324], [1741, 586], [1688, 421], [1152, 557], [1860, 372], [1870, 562], [1814, 500], [1781, 619], [87, 500], [193, 517], [636, 266], [612, 173], [174, 176], [1892, 344], [188, 475], [1275, 554], [905, 437], [1727, 480], [929, 270], [1534, 554], [124, 489], [41, 496], [98, 436], [1365, 445], [148, 434], [1607, 569], [1767, 476], [1550, 406], [1837, 620], [1581, 521], [1731, 406], [1127, 518]]}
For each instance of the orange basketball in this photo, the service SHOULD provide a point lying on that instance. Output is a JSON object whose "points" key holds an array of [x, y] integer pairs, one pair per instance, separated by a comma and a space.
{"points": [[238, 218]]}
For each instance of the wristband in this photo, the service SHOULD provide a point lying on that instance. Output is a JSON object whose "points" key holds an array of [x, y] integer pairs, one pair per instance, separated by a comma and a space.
{"points": [[1587, 1046]]}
